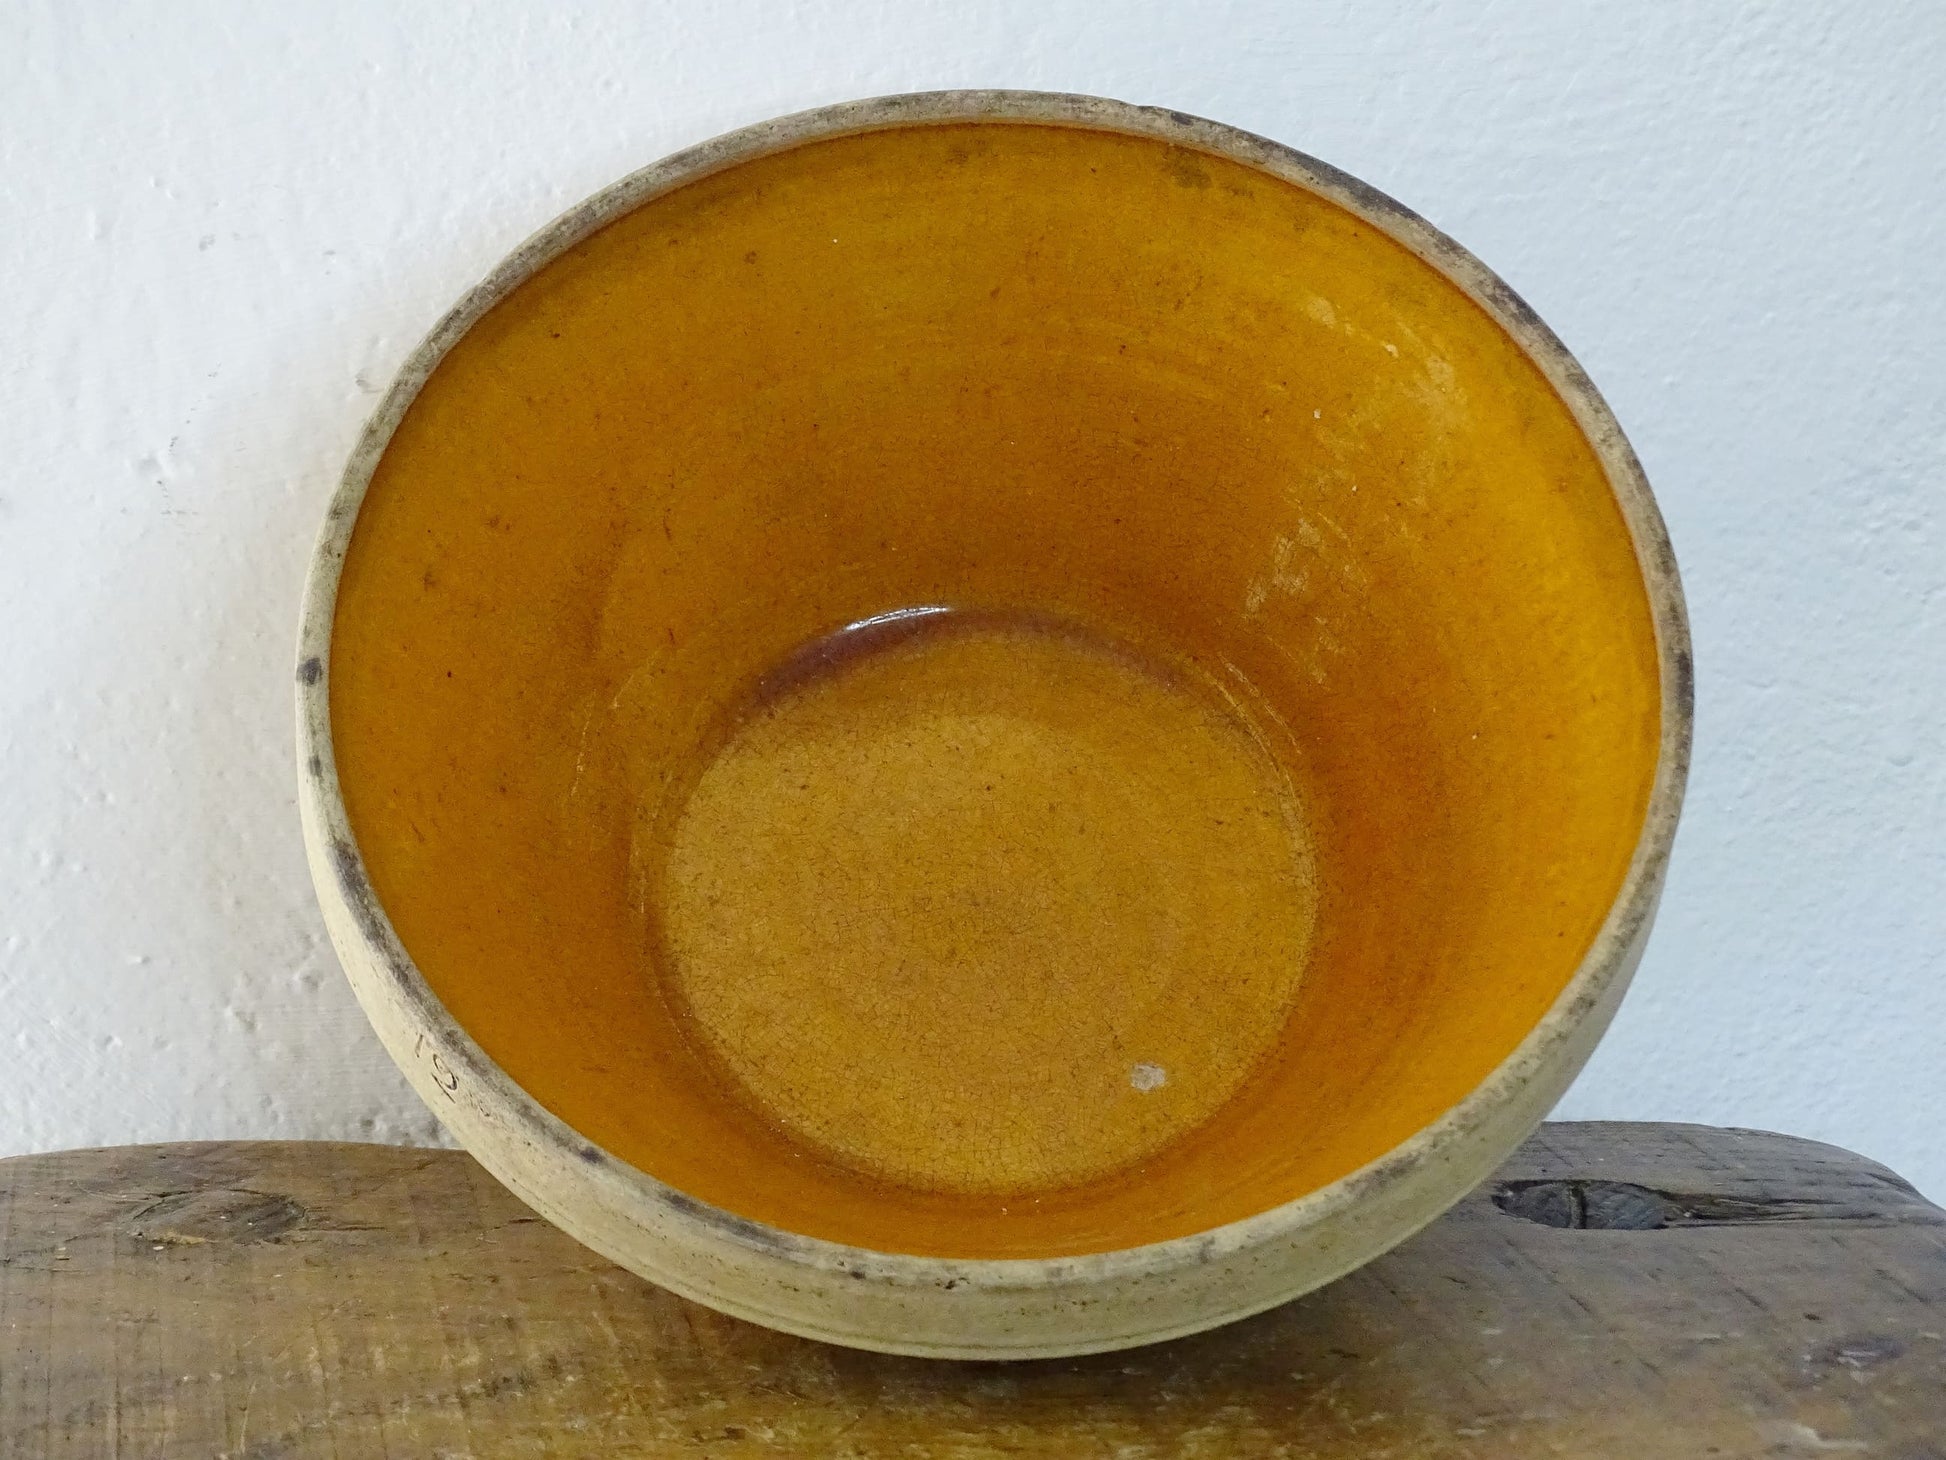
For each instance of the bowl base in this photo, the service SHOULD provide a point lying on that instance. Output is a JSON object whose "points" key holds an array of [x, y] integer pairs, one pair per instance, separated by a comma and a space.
{"points": [[983, 902]]}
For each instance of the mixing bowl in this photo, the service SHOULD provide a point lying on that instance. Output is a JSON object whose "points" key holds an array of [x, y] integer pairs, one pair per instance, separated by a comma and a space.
{"points": [[991, 724]]}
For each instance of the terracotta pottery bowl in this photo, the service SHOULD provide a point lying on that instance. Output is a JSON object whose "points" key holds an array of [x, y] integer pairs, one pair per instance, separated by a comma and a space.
{"points": [[991, 724]]}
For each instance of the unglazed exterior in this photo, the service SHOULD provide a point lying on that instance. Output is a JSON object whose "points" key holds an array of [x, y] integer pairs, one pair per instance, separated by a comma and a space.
{"points": [[1409, 761]]}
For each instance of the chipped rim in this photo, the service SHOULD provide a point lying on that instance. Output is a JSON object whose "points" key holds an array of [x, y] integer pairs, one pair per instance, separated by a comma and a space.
{"points": [[1547, 1053]]}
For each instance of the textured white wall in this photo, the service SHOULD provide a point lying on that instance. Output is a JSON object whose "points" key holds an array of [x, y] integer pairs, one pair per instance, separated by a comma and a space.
{"points": [[223, 225]]}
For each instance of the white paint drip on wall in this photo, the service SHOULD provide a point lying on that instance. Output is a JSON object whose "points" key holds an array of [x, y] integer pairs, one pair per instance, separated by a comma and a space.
{"points": [[223, 225]]}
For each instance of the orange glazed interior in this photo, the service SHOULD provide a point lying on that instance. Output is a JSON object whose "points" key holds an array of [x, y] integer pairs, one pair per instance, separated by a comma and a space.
{"points": [[993, 690]]}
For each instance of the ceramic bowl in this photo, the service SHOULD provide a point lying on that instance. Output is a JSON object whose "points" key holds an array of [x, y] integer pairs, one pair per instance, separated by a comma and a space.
{"points": [[991, 724]]}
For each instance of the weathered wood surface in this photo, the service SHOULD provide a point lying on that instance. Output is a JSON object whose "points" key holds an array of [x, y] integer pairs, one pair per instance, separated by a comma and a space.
{"points": [[1700, 1292]]}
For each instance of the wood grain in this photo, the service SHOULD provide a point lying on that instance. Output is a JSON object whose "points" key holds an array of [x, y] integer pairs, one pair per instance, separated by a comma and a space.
{"points": [[1646, 1291]]}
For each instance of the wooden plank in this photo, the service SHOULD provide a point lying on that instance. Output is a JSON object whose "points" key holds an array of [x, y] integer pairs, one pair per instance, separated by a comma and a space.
{"points": [[1619, 1290]]}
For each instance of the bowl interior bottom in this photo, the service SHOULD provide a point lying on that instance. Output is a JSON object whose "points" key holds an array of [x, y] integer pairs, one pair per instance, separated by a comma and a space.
{"points": [[983, 902]]}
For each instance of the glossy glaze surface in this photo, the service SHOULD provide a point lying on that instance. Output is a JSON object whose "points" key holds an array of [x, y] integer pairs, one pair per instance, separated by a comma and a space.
{"points": [[1373, 570]]}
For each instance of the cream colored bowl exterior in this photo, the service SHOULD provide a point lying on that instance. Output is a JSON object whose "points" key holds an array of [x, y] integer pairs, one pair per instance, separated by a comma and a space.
{"points": [[1011, 1309]]}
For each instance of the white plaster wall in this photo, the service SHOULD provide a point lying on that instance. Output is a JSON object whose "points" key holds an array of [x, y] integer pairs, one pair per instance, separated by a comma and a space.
{"points": [[223, 225]]}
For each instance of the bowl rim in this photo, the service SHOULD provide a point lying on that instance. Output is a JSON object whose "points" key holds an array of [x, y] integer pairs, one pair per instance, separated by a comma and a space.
{"points": [[451, 1054]]}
